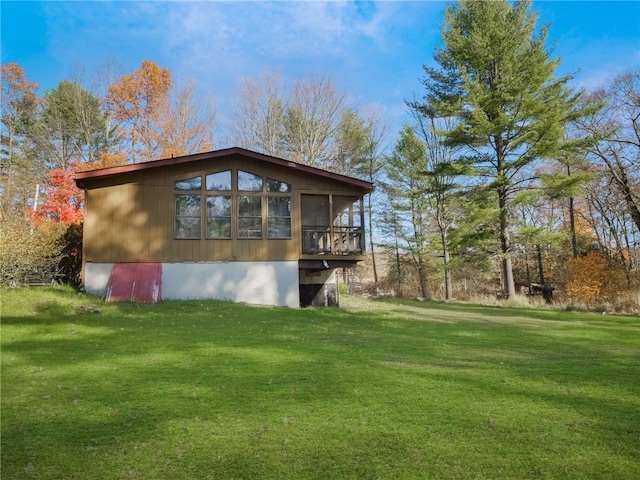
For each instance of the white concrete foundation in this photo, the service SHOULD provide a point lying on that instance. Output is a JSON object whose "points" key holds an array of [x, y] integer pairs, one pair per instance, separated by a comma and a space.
{"points": [[259, 283], [96, 278]]}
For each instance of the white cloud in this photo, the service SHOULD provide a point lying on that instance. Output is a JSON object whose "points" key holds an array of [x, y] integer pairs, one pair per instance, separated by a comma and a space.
{"points": [[284, 30]]}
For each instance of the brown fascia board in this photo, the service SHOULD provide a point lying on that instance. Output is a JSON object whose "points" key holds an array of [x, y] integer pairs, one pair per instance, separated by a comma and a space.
{"points": [[81, 178]]}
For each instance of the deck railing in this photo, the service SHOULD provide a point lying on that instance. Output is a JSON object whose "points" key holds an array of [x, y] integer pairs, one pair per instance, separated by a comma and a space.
{"points": [[326, 240]]}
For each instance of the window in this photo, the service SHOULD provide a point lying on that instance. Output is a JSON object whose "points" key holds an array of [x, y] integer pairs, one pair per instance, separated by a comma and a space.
{"points": [[278, 209], [274, 185], [279, 217], [219, 206], [227, 205], [194, 183], [188, 216], [249, 216], [219, 216], [220, 181], [248, 182]]}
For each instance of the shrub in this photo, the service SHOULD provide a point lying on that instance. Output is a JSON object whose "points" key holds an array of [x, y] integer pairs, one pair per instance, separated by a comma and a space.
{"points": [[70, 265], [590, 279], [29, 251]]}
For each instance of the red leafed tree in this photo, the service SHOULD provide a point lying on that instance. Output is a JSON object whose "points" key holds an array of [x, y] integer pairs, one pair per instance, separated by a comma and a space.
{"points": [[63, 203], [63, 206]]}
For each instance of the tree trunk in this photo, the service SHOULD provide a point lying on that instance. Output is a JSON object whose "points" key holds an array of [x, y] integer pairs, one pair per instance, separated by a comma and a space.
{"points": [[371, 245], [424, 285], [540, 266], [526, 264], [395, 228], [632, 206], [509, 284], [505, 245], [448, 288], [572, 223], [398, 267]]}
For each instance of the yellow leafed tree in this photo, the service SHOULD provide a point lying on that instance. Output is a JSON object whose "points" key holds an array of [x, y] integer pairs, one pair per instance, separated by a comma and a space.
{"points": [[137, 101], [590, 279]]}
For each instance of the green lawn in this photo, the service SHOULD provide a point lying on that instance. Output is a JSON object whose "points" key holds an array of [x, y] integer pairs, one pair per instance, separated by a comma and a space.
{"points": [[388, 390]]}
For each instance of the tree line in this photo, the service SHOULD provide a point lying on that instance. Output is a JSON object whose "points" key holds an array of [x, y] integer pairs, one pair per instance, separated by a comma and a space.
{"points": [[143, 116], [505, 180]]}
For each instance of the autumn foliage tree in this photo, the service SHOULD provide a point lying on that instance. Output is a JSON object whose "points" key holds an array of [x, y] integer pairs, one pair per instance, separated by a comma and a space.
{"points": [[137, 102], [29, 249], [23, 248], [61, 211], [63, 201], [590, 279]]}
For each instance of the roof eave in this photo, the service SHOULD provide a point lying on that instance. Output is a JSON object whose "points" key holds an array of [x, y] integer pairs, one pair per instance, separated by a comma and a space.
{"points": [[90, 175]]}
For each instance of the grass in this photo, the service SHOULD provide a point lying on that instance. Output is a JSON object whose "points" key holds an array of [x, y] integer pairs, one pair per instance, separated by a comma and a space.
{"points": [[215, 390]]}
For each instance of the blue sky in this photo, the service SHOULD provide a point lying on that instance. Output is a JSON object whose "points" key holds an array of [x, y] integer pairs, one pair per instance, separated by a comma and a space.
{"points": [[374, 51]]}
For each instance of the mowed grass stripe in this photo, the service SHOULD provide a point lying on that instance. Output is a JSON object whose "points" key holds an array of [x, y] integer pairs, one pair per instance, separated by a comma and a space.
{"points": [[206, 389]]}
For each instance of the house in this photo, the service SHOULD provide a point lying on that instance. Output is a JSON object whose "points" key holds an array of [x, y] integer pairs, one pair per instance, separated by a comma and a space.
{"points": [[229, 224]]}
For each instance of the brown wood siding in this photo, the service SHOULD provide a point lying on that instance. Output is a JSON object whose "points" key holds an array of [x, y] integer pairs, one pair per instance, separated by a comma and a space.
{"points": [[133, 219]]}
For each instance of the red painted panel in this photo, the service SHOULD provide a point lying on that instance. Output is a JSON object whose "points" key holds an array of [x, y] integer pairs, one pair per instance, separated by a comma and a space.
{"points": [[121, 282], [135, 282], [148, 281]]}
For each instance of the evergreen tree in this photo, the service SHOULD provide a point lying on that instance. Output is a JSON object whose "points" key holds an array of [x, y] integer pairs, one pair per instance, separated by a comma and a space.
{"points": [[406, 184], [19, 103], [496, 78], [71, 127]]}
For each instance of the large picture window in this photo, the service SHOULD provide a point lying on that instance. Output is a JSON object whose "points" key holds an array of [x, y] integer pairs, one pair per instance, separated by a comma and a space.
{"points": [[231, 205]]}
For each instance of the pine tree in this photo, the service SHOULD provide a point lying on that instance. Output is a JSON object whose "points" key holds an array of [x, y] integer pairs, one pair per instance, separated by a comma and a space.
{"points": [[71, 127], [496, 78], [406, 185]]}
